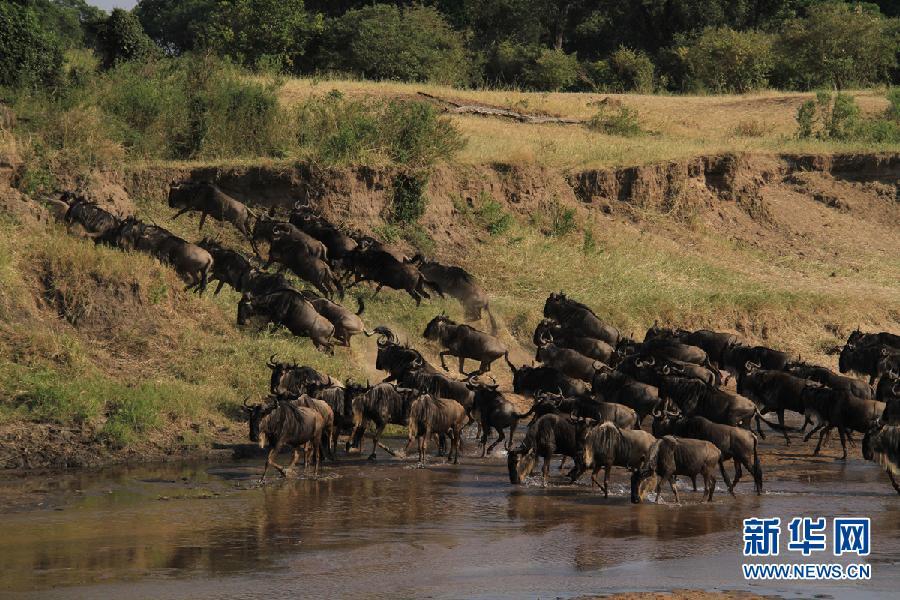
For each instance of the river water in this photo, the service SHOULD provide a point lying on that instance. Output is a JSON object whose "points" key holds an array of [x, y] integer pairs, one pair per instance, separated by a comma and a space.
{"points": [[391, 530]]}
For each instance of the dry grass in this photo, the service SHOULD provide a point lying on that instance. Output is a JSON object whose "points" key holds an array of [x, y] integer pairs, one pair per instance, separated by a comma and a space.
{"points": [[679, 126]]}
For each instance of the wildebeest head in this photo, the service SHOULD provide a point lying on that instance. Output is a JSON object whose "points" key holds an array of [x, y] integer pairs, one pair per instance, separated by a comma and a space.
{"points": [[845, 361], [181, 194], [641, 477], [437, 326], [868, 449], [255, 415], [543, 333], [553, 303]]}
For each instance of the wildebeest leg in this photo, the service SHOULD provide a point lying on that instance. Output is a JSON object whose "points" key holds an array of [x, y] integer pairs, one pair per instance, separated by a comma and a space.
{"points": [[484, 437], [709, 481], [894, 482], [843, 441], [606, 481], [378, 429], [454, 448], [202, 221], [674, 490], [758, 424], [180, 212], [694, 481], [659, 482], [737, 475], [814, 430], [499, 439], [545, 470], [442, 354], [822, 434], [219, 288], [512, 433], [594, 476], [806, 421], [462, 365], [562, 463], [270, 460]]}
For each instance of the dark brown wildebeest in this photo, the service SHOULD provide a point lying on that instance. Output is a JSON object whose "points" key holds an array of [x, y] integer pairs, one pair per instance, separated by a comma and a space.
{"points": [[549, 435], [291, 378], [583, 407], [190, 261], [229, 267], [614, 386], [607, 446], [826, 376], [307, 267], [436, 416], [339, 244], [346, 322], [458, 283], [736, 357], [713, 343], [287, 236], [578, 317], [868, 359], [773, 391], [97, 223], [529, 381], [881, 444], [370, 264], [882, 338], [340, 399], [671, 456], [666, 349], [321, 407], [381, 405], [464, 342], [734, 443], [549, 331], [368, 243], [283, 424], [569, 362], [493, 411], [830, 408], [288, 309], [207, 199]]}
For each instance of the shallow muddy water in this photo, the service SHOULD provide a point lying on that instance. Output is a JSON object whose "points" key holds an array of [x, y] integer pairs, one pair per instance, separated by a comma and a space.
{"points": [[391, 530]]}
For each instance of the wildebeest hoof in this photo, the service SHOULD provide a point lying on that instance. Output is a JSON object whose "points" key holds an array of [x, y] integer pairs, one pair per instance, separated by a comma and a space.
{"points": [[372, 457]]}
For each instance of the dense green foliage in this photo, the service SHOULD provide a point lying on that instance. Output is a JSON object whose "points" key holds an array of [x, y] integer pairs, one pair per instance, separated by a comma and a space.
{"points": [[837, 117], [29, 54], [120, 38]]}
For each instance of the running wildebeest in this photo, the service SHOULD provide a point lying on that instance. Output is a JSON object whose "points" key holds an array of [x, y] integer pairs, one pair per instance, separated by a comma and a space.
{"points": [[569, 362], [464, 342], [549, 331], [282, 424], [549, 435], [307, 267], [529, 381], [429, 415], [666, 349], [734, 443], [289, 309], [287, 236], [881, 444], [229, 267], [671, 456], [831, 408], [607, 446], [493, 411], [826, 376], [207, 199], [713, 343], [578, 317], [614, 386], [346, 322], [338, 243], [457, 283], [340, 399], [381, 405], [773, 391], [583, 407], [97, 223], [369, 264], [291, 378]]}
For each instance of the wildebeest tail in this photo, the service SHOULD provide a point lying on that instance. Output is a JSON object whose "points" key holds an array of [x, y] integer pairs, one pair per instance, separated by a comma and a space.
{"points": [[204, 274], [757, 467], [362, 307], [491, 319]]}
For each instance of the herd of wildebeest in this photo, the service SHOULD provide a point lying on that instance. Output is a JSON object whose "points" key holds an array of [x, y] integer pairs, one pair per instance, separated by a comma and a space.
{"points": [[592, 392]]}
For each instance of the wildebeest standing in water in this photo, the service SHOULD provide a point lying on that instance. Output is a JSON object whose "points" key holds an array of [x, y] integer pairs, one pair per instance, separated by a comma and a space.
{"points": [[607, 446], [428, 416], [495, 412], [671, 456], [289, 309], [460, 284], [838, 408], [549, 435], [464, 342], [207, 199], [282, 424], [881, 444], [381, 405], [529, 381]]}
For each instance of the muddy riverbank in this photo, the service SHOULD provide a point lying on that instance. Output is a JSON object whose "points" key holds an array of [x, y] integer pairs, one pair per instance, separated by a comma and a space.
{"points": [[208, 530]]}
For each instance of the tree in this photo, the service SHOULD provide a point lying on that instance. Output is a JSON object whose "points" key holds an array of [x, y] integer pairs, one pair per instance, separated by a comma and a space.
{"points": [[120, 38], [29, 54], [725, 60]]}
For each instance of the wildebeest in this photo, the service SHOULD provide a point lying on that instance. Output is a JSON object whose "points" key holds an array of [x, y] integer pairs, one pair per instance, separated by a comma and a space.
{"points": [[369, 264], [666, 349], [346, 322], [338, 243], [549, 435], [381, 405], [614, 386], [370, 244], [831, 408], [207, 199], [287, 236], [460, 284], [826, 376], [429, 415], [671, 456], [229, 267], [736, 357], [607, 446], [734, 443], [569, 362], [321, 407], [493, 411], [283, 424], [529, 381], [289, 309], [867, 360], [578, 317], [881, 444], [713, 343], [585, 407], [97, 223], [773, 391], [306, 266], [190, 261], [882, 338], [291, 378], [340, 399], [464, 342], [549, 331]]}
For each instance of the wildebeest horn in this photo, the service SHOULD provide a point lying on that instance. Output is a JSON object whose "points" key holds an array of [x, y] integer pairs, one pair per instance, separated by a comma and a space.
{"points": [[417, 362], [244, 404], [665, 370], [656, 413], [271, 362], [545, 338], [751, 366]]}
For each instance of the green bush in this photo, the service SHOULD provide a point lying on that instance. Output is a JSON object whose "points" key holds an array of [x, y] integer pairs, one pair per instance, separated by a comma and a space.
{"points": [[622, 122], [626, 70], [408, 201], [838, 117], [388, 42], [416, 135], [29, 55], [836, 45], [121, 38], [725, 60], [552, 70]]}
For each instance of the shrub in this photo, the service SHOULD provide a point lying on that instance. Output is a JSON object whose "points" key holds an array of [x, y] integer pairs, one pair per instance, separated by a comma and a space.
{"points": [[388, 42], [29, 55], [836, 45], [623, 122], [408, 201], [725, 60], [506, 62], [416, 135], [626, 70], [838, 117], [121, 38], [552, 70]]}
